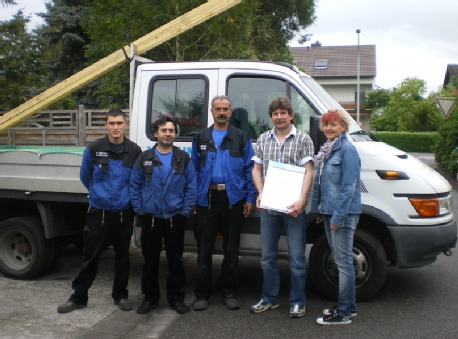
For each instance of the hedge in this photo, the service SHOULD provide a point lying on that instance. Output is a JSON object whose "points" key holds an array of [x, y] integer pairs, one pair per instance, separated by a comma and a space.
{"points": [[420, 142]]}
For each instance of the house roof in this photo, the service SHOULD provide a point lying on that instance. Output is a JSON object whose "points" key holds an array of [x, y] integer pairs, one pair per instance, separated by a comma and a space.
{"points": [[341, 60], [452, 71]]}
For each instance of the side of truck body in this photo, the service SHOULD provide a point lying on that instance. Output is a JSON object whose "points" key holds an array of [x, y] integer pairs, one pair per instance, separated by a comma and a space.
{"points": [[42, 207], [391, 230]]}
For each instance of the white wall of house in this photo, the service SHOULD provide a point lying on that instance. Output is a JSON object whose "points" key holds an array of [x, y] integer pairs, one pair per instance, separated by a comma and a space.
{"points": [[344, 92]]}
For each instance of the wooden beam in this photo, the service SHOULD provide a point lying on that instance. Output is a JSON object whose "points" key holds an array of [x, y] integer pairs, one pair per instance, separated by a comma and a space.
{"points": [[103, 66]]}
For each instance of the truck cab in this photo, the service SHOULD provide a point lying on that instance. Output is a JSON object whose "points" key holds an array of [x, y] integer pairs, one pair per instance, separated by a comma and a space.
{"points": [[407, 218]]}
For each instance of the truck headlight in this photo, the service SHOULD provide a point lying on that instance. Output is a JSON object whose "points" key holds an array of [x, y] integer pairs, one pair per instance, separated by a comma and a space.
{"points": [[392, 175], [432, 207]]}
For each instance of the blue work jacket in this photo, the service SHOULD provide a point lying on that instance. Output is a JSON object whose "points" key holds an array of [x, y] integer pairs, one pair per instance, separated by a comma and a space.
{"points": [[106, 174], [177, 196], [338, 194], [236, 153]]}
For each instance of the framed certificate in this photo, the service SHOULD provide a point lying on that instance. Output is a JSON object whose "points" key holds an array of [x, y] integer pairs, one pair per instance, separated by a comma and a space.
{"points": [[282, 186]]}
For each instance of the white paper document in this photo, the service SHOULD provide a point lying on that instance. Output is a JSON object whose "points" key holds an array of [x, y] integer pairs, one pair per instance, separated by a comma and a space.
{"points": [[282, 186]]}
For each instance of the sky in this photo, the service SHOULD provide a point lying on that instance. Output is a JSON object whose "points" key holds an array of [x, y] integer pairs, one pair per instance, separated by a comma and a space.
{"points": [[413, 38]]}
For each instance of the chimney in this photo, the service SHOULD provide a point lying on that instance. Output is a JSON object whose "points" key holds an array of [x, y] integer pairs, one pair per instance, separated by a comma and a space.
{"points": [[316, 44]]}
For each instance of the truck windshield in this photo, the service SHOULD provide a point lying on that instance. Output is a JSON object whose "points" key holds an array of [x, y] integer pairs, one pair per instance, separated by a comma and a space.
{"points": [[328, 100]]}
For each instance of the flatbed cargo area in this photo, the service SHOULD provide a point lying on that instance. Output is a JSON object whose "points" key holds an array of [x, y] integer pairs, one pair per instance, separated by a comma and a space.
{"points": [[41, 169]]}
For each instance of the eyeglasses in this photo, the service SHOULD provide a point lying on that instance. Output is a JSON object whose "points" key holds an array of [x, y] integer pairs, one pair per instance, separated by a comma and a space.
{"points": [[219, 109]]}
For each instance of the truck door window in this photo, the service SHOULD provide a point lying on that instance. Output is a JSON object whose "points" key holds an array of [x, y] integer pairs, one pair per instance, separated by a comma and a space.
{"points": [[302, 111], [251, 97], [182, 98]]}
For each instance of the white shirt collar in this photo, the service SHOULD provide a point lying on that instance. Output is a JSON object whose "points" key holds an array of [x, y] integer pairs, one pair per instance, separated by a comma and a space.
{"points": [[292, 132]]}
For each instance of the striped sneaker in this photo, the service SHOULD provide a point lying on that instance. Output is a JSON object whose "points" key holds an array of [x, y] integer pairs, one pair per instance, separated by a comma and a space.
{"points": [[262, 306], [297, 311]]}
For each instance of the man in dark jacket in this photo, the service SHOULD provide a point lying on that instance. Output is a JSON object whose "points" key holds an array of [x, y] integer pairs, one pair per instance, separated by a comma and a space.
{"points": [[105, 172], [163, 194], [221, 155]]}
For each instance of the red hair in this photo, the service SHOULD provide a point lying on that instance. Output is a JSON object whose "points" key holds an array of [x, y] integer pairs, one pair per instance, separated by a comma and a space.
{"points": [[330, 116], [335, 115]]}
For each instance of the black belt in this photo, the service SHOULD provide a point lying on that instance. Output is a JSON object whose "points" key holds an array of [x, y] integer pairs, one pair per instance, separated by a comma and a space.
{"points": [[217, 187]]}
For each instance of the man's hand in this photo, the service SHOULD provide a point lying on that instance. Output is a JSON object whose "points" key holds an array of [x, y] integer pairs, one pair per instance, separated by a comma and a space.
{"points": [[295, 209], [258, 200], [248, 209], [319, 219]]}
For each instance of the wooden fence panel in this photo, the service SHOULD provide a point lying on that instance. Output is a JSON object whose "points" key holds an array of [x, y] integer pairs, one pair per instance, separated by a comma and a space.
{"points": [[58, 128]]}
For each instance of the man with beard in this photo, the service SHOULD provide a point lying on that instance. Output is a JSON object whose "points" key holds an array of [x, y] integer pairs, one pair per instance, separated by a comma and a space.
{"points": [[221, 155], [163, 193]]}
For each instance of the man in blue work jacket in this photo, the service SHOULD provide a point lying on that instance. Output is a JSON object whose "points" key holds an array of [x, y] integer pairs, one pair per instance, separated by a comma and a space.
{"points": [[221, 155], [105, 172], [163, 193]]}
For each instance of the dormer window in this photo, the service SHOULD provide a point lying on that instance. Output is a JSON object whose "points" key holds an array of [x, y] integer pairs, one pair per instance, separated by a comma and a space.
{"points": [[321, 65]]}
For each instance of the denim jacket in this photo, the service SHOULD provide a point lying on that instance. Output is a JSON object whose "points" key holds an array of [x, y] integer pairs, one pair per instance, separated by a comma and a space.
{"points": [[338, 193]]}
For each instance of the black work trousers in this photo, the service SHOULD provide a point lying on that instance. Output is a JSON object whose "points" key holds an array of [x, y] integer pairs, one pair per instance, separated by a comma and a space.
{"points": [[103, 228], [172, 231], [221, 217]]}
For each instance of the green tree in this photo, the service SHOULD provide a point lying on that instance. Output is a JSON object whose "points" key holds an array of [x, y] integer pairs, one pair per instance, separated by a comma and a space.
{"points": [[253, 30], [445, 154], [65, 40], [20, 53], [78, 33], [378, 98], [406, 110]]}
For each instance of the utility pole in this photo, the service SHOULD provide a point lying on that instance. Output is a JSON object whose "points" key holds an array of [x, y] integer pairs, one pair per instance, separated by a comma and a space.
{"points": [[357, 80]]}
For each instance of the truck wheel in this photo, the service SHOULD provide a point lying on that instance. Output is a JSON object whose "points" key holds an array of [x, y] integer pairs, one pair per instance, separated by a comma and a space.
{"points": [[24, 249], [369, 260]]}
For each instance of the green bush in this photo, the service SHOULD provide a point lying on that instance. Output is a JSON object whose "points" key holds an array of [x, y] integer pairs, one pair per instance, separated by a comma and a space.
{"points": [[421, 142], [444, 152]]}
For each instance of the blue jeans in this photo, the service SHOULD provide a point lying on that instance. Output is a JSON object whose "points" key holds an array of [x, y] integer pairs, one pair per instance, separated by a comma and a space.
{"points": [[295, 233], [341, 243]]}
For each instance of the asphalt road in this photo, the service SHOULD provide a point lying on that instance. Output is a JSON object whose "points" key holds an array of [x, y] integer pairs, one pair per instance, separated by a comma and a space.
{"points": [[413, 303]]}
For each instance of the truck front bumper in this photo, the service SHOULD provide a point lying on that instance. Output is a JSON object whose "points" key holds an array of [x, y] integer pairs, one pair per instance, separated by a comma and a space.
{"points": [[418, 246]]}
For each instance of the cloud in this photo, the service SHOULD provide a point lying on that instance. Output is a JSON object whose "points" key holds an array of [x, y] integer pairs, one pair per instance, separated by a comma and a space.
{"points": [[413, 38]]}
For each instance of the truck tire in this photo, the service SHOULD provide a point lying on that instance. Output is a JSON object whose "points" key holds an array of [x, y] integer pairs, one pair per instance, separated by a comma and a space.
{"points": [[369, 260], [25, 251]]}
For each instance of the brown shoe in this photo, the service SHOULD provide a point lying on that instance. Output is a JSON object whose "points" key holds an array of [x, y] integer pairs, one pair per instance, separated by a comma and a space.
{"points": [[69, 306]]}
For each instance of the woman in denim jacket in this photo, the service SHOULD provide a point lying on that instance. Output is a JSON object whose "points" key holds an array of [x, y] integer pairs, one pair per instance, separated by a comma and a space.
{"points": [[337, 202]]}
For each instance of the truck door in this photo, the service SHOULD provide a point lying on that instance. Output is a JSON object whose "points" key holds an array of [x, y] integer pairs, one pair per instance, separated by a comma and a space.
{"points": [[251, 95], [182, 95]]}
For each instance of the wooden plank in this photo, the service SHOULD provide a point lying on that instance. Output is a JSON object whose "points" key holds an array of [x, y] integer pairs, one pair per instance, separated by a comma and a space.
{"points": [[101, 67]]}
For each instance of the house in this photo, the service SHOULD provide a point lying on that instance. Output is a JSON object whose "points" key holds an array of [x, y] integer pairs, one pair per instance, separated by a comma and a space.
{"points": [[452, 72], [335, 68]]}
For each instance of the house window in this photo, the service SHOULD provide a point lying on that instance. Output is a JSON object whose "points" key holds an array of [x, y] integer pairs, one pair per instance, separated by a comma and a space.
{"points": [[362, 96], [321, 64]]}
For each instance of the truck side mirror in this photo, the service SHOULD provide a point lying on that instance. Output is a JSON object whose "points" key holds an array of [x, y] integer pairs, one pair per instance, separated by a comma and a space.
{"points": [[316, 133]]}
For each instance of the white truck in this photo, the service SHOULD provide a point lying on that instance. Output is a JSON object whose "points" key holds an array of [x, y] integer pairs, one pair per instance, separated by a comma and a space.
{"points": [[407, 218]]}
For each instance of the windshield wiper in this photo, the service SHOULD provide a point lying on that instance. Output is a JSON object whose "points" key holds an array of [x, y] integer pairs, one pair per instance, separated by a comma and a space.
{"points": [[364, 132]]}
